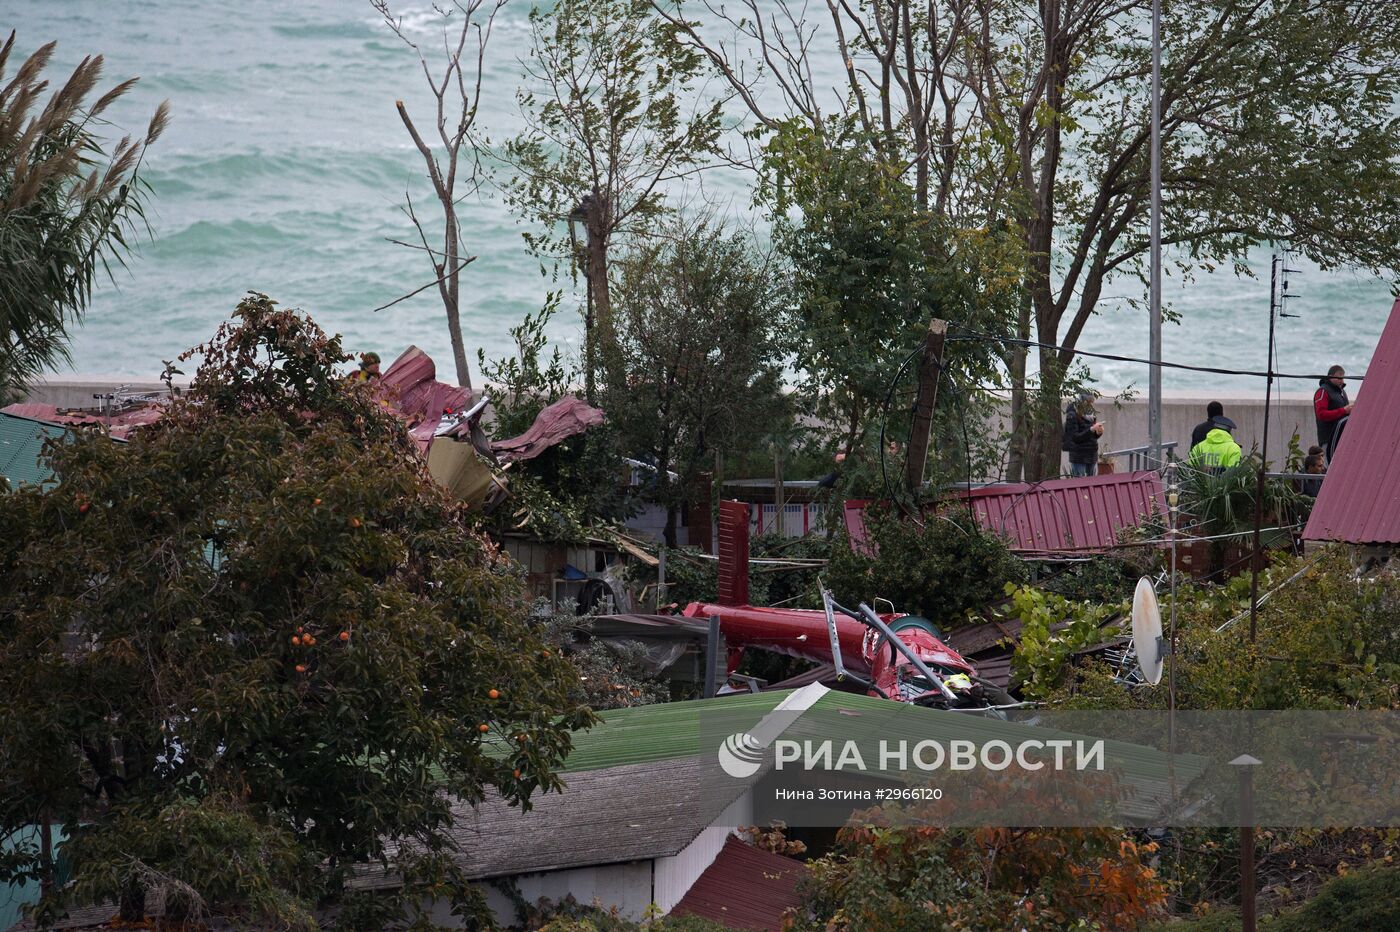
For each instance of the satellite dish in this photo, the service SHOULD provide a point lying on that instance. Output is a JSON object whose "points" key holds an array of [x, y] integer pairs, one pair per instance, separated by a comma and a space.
{"points": [[1147, 632]]}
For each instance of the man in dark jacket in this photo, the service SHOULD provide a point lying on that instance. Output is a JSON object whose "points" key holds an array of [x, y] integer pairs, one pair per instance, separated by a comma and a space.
{"points": [[1082, 433], [1213, 410], [1330, 405]]}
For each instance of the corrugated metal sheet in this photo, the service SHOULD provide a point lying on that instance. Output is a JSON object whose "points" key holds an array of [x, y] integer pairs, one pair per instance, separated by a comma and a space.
{"points": [[1068, 514], [21, 441], [414, 391], [744, 888], [118, 426], [733, 553], [1360, 501], [647, 733]]}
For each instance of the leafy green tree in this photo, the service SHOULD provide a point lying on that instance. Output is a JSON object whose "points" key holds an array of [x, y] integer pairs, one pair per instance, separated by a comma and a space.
{"points": [[68, 206], [870, 268], [699, 355], [939, 570], [256, 646], [613, 119], [1277, 124]]}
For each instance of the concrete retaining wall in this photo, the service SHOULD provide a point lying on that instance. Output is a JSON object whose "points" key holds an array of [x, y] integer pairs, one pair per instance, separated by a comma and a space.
{"points": [[1125, 425], [77, 391]]}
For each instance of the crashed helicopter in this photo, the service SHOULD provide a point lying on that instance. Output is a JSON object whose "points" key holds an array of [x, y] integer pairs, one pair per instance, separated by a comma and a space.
{"points": [[892, 655]]}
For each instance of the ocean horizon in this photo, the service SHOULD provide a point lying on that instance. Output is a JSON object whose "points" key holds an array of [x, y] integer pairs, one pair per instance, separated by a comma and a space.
{"points": [[285, 164]]}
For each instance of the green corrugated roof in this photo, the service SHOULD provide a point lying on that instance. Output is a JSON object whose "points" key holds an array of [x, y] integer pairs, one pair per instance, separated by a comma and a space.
{"points": [[21, 440], [667, 731]]}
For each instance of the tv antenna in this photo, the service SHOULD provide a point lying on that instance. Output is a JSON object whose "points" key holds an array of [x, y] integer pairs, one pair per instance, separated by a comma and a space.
{"points": [[1278, 302]]}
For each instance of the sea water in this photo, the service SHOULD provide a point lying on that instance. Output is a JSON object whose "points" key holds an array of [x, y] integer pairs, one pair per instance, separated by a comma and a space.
{"points": [[285, 167]]}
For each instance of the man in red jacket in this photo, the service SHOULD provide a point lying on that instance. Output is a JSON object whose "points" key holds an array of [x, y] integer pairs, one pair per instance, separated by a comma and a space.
{"points": [[1330, 404]]}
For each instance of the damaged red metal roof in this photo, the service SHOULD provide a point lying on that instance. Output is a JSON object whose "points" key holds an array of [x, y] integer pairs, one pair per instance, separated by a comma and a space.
{"points": [[1360, 501], [1067, 514], [118, 425], [1053, 515], [744, 888]]}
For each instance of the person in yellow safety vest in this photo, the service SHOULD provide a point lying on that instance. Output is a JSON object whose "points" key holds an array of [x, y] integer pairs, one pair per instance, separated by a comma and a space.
{"points": [[369, 368], [1219, 450]]}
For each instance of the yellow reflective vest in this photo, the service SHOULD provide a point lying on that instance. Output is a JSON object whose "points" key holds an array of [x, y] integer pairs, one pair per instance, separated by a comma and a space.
{"points": [[1217, 451]]}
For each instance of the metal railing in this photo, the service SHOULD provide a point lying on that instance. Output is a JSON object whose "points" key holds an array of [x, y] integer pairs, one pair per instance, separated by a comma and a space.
{"points": [[1141, 457]]}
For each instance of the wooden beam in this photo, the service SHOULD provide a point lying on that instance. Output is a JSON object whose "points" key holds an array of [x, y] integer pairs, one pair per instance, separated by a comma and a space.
{"points": [[929, 370]]}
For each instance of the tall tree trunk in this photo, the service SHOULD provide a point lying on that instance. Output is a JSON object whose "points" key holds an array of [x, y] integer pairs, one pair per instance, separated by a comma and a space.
{"points": [[450, 293], [604, 330], [1043, 455], [670, 532], [1020, 424]]}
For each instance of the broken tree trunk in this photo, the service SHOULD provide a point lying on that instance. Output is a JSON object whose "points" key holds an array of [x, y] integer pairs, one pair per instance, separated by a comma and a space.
{"points": [[929, 371]]}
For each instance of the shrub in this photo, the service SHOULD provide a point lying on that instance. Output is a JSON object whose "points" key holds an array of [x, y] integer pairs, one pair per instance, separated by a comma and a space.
{"points": [[1052, 629], [939, 571], [894, 878], [1363, 899]]}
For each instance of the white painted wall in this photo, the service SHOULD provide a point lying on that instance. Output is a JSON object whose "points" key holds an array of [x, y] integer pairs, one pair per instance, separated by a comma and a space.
{"points": [[675, 875]]}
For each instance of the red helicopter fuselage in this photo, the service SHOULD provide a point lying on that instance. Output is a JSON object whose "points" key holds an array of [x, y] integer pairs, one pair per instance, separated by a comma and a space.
{"points": [[804, 633]]}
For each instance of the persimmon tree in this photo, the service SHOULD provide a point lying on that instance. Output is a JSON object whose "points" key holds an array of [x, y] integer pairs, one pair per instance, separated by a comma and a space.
{"points": [[256, 647]]}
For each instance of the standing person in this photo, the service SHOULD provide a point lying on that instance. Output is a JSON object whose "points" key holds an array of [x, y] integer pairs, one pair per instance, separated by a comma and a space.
{"points": [[1082, 432], [1330, 405], [1218, 450], [1213, 410], [369, 368], [1314, 464]]}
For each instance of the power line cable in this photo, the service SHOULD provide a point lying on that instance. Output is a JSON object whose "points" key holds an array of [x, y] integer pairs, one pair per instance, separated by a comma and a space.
{"points": [[973, 336]]}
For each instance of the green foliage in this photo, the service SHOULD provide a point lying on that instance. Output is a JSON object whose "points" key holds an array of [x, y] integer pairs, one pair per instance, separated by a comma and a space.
{"points": [[1324, 641], [1052, 629], [699, 367], [569, 915], [1367, 898], [1103, 578], [199, 852], [68, 206], [940, 571], [259, 624], [869, 268], [575, 485], [1224, 502], [1363, 899], [614, 116]]}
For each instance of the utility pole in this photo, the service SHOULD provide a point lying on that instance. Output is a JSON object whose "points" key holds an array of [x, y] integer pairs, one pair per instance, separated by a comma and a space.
{"points": [[929, 370], [1277, 297], [1154, 376]]}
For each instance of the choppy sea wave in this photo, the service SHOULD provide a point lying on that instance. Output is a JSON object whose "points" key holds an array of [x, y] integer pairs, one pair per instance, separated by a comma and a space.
{"points": [[285, 167]]}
